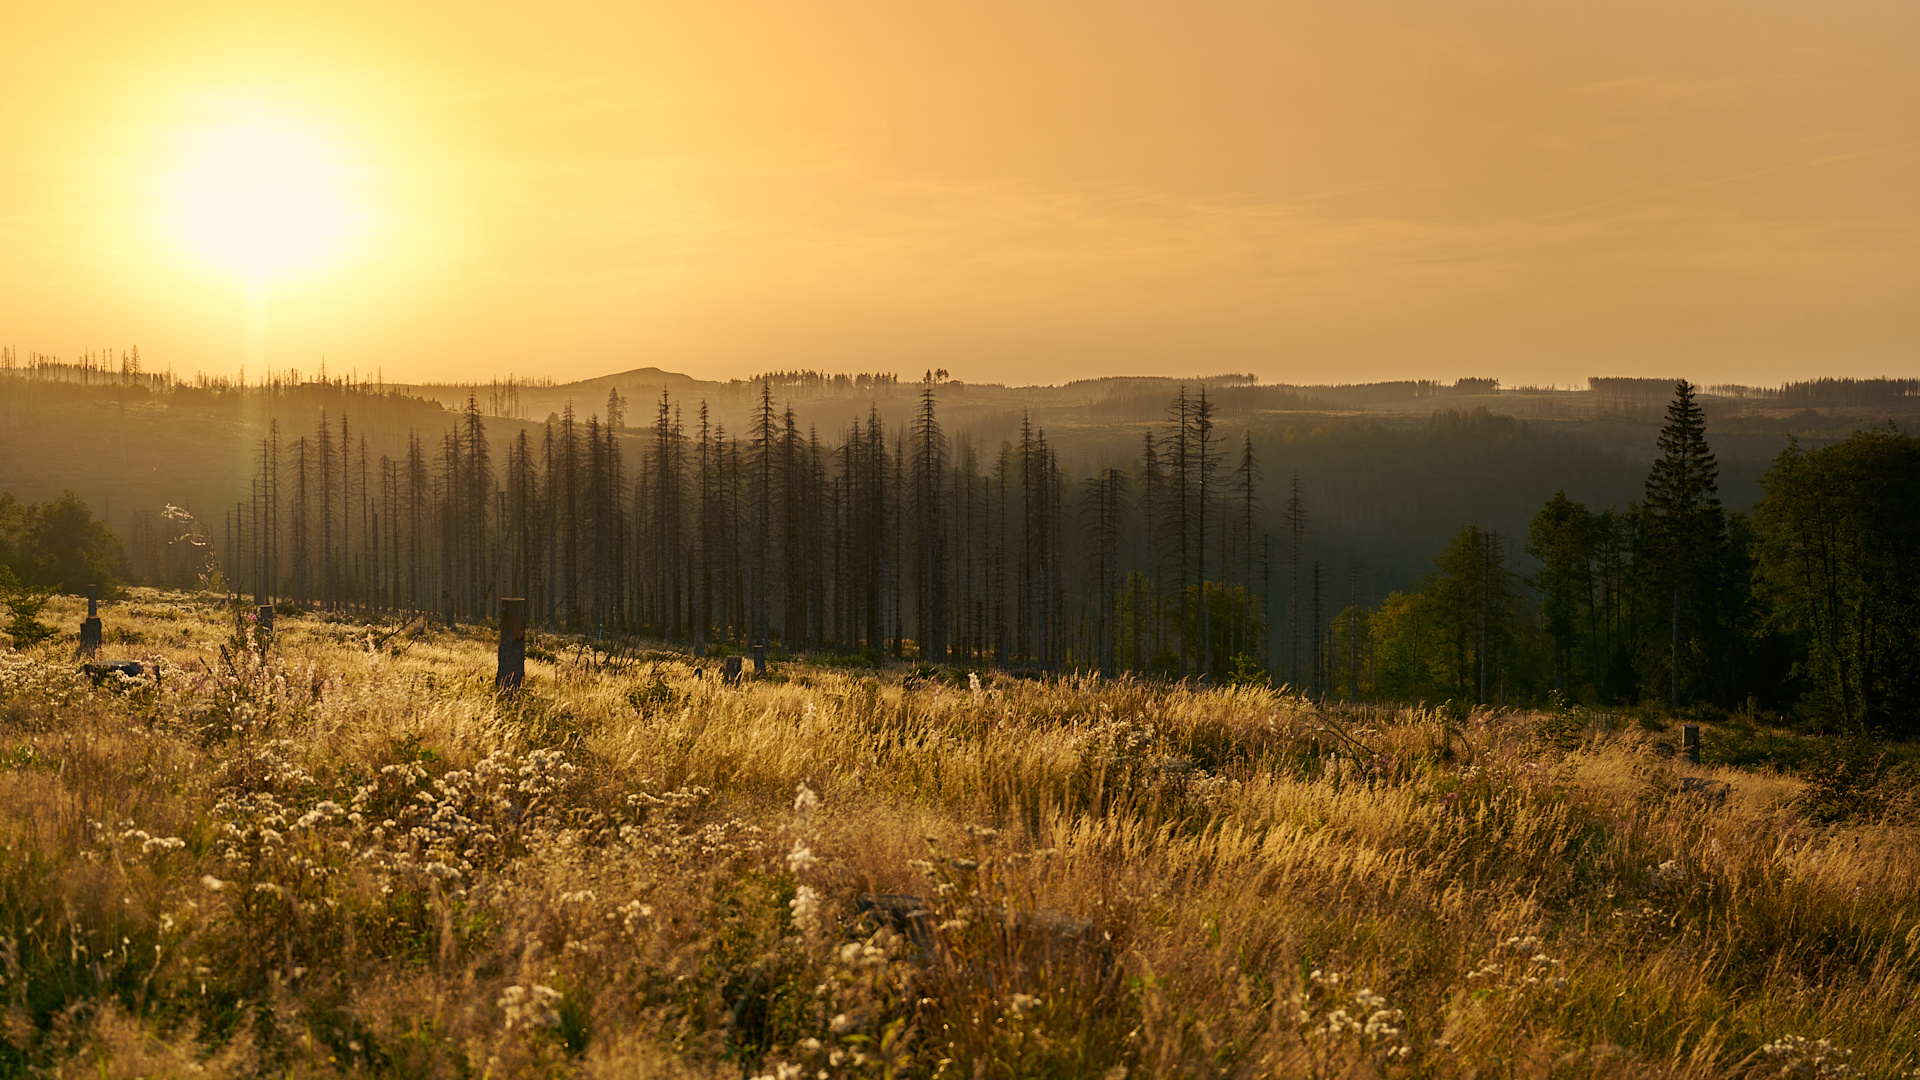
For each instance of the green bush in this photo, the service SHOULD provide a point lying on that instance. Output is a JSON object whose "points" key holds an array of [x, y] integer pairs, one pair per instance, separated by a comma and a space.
{"points": [[23, 604]]}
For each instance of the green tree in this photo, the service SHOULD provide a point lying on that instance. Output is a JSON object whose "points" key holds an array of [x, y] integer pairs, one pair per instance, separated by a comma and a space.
{"points": [[1224, 619], [1841, 565], [1405, 632], [59, 545], [1476, 609], [1570, 545], [1459, 635], [1687, 561]]}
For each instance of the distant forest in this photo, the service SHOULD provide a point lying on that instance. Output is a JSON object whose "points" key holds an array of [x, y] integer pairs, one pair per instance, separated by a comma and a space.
{"points": [[888, 541], [1182, 558]]}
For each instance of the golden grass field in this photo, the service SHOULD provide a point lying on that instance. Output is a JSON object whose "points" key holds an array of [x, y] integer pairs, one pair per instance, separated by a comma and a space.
{"points": [[344, 860]]}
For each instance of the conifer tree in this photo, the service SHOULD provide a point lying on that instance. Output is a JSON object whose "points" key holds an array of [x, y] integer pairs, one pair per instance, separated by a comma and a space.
{"points": [[1686, 539], [323, 464], [1105, 492], [1179, 491], [1206, 462], [1246, 500], [764, 434], [1296, 535], [929, 496], [419, 516], [1563, 539], [1152, 487], [298, 521], [476, 498], [267, 516]]}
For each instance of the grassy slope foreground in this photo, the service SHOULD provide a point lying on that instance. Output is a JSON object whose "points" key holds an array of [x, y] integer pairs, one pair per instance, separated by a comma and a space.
{"points": [[355, 860]]}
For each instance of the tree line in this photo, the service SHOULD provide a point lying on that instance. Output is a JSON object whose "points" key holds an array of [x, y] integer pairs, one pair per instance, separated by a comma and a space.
{"points": [[895, 541], [1809, 607], [909, 543], [904, 541]]}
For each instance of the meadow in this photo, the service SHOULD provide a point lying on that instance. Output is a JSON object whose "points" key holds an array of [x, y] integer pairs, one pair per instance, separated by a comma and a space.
{"points": [[343, 854]]}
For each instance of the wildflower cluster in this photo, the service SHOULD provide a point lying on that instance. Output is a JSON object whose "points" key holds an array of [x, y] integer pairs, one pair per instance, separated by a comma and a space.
{"points": [[245, 691], [659, 832], [27, 678], [1669, 875], [273, 847], [446, 828], [806, 899], [1339, 1024], [1517, 965], [1796, 1057], [1115, 743], [861, 1012], [532, 1008], [125, 838], [269, 765], [273, 836]]}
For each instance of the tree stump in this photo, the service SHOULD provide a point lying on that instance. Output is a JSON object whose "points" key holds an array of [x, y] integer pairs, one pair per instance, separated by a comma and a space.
{"points": [[1690, 742], [512, 670], [759, 659], [91, 636], [730, 674]]}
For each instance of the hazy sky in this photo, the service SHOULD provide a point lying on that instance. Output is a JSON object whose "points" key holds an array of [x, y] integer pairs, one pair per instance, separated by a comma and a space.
{"points": [[1026, 192]]}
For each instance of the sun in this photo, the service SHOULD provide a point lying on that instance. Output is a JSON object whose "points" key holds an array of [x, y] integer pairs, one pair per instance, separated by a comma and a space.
{"points": [[264, 198]]}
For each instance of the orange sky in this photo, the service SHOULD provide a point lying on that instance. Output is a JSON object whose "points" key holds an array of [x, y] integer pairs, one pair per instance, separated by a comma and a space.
{"points": [[1015, 191]]}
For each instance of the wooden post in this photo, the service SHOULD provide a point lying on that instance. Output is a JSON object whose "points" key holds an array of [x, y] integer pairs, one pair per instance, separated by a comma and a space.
{"points": [[730, 674], [513, 645], [1690, 742], [90, 632], [759, 659]]}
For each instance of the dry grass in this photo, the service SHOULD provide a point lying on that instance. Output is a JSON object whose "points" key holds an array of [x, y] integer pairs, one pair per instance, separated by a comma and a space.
{"points": [[336, 860]]}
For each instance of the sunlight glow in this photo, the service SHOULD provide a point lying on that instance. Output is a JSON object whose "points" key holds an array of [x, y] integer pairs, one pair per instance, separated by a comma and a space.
{"points": [[264, 198]]}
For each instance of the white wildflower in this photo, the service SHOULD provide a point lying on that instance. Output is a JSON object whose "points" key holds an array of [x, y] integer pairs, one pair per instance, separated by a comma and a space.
{"points": [[1814, 1059], [805, 802], [806, 909], [1668, 875], [537, 1008]]}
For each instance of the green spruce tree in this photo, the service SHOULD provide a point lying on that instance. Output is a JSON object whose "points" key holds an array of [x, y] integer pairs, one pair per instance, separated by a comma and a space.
{"points": [[1687, 554]]}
